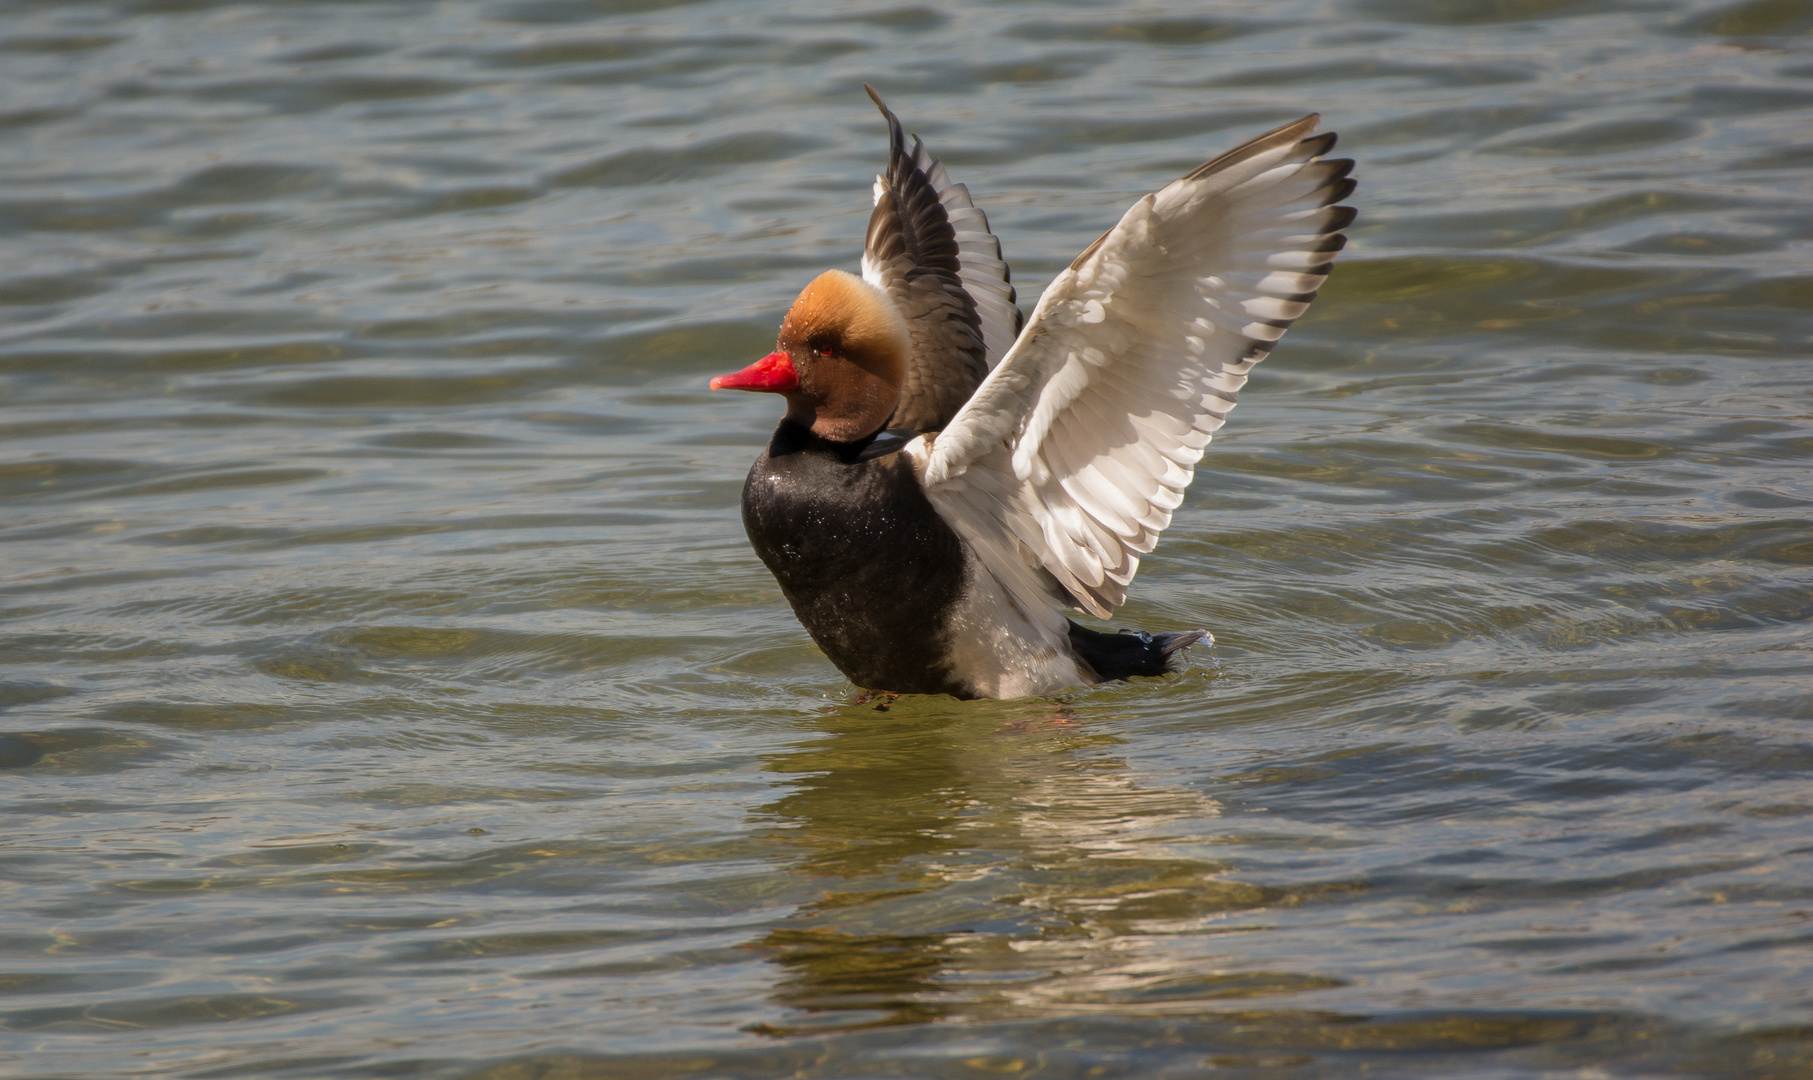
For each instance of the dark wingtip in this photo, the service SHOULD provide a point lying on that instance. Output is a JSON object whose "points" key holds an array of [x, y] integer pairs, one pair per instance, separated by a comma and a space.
{"points": [[1296, 130], [896, 133], [1323, 143]]}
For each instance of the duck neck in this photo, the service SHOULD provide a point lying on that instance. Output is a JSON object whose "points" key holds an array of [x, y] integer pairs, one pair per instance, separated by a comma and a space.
{"points": [[791, 437]]}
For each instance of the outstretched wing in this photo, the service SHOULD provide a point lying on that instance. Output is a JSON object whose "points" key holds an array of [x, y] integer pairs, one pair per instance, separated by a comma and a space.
{"points": [[1070, 458], [930, 250]]}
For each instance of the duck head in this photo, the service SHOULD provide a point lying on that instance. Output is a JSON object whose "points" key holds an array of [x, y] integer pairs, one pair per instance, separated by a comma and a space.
{"points": [[840, 359]]}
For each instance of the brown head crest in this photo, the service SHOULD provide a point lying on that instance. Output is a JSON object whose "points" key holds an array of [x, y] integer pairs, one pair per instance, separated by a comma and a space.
{"points": [[850, 346]]}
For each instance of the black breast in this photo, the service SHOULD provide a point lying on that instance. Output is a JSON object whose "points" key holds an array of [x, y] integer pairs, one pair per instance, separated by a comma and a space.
{"points": [[870, 568]]}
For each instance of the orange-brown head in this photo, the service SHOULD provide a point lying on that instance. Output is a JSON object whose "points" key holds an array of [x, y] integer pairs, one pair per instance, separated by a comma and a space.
{"points": [[840, 359]]}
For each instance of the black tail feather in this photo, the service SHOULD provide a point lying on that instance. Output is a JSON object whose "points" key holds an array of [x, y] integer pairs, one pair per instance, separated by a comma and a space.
{"points": [[1130, 652]]}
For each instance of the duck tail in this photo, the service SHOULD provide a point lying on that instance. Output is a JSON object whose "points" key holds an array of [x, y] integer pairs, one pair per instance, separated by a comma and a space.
{"points": [[1131, 652]]}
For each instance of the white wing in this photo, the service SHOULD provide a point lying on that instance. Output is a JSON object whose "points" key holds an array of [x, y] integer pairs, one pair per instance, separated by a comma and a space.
{"points": [[1067, 462]]}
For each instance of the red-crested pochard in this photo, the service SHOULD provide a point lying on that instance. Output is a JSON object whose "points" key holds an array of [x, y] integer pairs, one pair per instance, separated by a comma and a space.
{"points": [[951, 477]]}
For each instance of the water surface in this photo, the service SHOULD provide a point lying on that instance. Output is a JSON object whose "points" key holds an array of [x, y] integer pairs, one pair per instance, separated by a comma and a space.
{"points": [[386, 687]]}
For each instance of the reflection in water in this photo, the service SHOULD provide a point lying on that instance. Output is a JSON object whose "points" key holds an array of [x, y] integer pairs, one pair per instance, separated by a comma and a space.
{"points": [[998, 862]]}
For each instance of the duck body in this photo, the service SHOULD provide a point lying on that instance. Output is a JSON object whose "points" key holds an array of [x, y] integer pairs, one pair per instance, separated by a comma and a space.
{"points": [[893, 596], [952, 477], [871, 570]]}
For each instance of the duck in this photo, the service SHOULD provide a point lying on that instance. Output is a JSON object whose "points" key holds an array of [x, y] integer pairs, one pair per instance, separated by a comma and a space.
{"points": [[953, 478]]}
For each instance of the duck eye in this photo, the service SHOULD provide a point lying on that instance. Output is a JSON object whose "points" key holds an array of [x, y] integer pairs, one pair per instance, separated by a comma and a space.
{"points": [[824, 350]]}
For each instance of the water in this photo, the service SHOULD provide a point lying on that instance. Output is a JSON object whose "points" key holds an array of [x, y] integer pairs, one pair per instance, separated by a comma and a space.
{"points": [[388, 688]]}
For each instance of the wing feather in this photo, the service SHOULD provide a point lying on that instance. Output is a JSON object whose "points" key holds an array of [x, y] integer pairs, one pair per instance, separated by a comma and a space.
{"points": [[1071, 456], [930, 249]]}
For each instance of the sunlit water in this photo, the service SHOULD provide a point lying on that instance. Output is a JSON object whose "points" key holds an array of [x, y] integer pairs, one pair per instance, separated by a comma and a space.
{"points": [[388, 688]]}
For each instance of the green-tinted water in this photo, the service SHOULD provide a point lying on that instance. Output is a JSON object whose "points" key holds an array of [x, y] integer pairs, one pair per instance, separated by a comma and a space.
{"points": [[388, 688]]}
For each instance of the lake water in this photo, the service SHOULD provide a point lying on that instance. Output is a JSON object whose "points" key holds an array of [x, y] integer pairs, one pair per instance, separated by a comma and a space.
{"points": [[389, 691]]}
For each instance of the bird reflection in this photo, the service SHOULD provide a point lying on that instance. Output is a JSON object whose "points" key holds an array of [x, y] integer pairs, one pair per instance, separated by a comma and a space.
{"points": [[990, 859]]}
